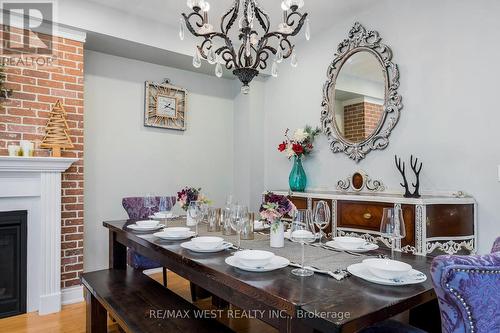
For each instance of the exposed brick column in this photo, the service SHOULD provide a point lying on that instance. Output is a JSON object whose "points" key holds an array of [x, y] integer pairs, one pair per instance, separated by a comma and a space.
{"points": [[37, 86], [360, 120]]}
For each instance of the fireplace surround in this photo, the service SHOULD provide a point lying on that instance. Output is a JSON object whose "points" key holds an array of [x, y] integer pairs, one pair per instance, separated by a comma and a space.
{"points": [[33, 184]]}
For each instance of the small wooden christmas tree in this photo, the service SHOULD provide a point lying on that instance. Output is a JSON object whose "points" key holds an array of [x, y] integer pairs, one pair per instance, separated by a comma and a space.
{"points": [[56, 131]]}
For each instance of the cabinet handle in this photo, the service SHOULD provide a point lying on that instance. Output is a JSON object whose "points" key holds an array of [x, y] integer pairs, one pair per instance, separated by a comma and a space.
{"points": [[367, 216]]}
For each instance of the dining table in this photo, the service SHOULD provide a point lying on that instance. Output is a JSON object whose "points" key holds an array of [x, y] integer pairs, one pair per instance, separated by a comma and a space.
{"points": [[290, 303]]}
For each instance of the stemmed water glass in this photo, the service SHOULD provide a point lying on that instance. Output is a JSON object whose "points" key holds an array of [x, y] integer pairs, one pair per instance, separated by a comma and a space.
{"points": [[321, 217], [149, 202], [163, 204], [392, 226], [195, 211], [302, 231], [239, 215]]}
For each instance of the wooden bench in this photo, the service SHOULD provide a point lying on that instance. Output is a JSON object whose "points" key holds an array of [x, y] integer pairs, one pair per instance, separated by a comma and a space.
{"points": [[140, 304]]}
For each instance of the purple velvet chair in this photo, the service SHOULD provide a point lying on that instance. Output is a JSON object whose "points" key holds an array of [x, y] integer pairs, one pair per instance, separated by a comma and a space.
{"points": [[468, 290], [135, 208]]}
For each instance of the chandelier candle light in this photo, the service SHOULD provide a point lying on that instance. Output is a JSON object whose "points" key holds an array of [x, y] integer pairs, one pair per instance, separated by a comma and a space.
{"points": [[251, 54]]}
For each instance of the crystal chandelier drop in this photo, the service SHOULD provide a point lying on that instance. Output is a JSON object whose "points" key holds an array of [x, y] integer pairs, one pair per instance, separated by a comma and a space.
{"points": [[253, 49]]}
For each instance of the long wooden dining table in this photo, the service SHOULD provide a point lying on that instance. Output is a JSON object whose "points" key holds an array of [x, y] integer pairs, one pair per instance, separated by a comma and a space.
{"points": [[287, 302]]}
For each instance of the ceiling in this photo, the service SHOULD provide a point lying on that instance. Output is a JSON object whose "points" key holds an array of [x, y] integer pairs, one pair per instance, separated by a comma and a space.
{"points": [[168, 11]]}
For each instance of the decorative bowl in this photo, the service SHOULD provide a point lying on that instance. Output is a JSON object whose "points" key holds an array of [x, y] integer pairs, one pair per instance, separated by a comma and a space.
{"points": [[349, 243], [254, 258], [387, 268], [147, 223], [176, 231], [207, 243]]}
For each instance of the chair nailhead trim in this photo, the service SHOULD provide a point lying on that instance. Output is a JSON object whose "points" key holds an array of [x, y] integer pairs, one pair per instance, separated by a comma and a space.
{"points": [[460, 298]]}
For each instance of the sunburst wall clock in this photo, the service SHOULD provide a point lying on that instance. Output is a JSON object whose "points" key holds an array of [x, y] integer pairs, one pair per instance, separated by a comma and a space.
{"points": [[166, 106]]}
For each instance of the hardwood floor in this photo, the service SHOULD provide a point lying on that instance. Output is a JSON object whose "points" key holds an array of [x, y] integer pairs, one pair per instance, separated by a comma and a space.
{"points": [[72, 317]]}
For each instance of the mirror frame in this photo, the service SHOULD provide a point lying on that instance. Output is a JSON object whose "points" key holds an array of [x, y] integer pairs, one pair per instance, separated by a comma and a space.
{"points": [[361, 40]]}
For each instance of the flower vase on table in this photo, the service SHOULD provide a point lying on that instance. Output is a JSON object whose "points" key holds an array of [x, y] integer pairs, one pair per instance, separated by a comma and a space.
{"points": [[185, 197], [297, 179], [297, 146], [190, 222], [277, 234], [273, 209]]}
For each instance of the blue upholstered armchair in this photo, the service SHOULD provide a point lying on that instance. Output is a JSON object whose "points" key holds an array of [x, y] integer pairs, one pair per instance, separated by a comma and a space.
{"points": [[468, 290], [135, 208]]}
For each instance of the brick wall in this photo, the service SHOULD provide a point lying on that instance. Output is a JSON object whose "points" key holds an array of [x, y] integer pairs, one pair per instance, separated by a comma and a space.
{"points": [[37, 86], [360, 120]]}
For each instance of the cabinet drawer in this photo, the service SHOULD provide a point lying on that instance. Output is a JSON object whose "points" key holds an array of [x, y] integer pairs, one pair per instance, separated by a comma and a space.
{"points": [[361, 215], [368, 215]]}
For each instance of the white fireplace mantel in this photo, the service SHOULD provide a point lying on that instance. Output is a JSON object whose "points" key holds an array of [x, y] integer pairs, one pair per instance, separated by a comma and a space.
{"points": [[34, 184], [35, 164]]}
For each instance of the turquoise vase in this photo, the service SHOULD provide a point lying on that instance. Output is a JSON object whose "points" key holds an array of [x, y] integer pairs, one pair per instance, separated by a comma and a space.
{"points": [[297, 179]]}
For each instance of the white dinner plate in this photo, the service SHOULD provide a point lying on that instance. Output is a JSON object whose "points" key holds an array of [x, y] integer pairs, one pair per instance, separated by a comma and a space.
{"points": [[276, 262], [167, 236], [135, 227], [361, 270], [190, 246], [364, 248], [164, 218]]}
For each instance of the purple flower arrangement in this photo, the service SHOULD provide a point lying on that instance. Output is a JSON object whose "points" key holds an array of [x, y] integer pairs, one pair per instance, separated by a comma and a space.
{"points": [[186, 195], [275, 206]]}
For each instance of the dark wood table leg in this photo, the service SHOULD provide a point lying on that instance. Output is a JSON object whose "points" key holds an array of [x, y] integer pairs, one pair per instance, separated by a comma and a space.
{"points": [[427, 317], [96, 317], [117, 253]]}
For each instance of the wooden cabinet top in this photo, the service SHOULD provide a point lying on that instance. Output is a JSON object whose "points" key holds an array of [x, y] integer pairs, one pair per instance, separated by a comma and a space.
{"points": [[427, 199]]}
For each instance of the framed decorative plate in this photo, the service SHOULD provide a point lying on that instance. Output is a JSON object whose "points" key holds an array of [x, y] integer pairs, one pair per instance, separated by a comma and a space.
{"points": [[165, 107]]}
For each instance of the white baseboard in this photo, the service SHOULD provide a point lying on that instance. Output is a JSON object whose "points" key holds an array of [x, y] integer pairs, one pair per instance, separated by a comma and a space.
{"points": [[72, 295], [49, 304]]}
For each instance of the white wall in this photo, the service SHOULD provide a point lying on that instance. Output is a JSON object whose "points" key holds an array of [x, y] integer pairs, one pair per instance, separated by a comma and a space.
{"points": [[248, 146], [448, 58], [124, 158]]}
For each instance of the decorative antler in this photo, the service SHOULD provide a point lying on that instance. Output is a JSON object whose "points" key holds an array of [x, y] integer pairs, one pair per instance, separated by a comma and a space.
{"points": [[401, 168], [416, 170]]}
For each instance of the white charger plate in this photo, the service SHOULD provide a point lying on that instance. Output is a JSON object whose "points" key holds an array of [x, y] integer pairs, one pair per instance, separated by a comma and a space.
{"points": [[135, 227], [190, 246], [361, 270], [167, 236], [365, 248], [276, 262]]}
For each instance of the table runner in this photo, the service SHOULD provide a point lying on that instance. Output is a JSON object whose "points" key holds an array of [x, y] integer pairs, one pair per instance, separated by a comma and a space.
{"points": [[317, 258]]}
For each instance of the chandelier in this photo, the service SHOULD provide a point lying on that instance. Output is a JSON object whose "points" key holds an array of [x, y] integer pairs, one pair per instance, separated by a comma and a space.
{"points": [[253, 50]]}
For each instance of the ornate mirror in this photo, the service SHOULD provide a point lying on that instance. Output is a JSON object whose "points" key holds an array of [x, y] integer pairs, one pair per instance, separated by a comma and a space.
{"points": [[361, 104]]}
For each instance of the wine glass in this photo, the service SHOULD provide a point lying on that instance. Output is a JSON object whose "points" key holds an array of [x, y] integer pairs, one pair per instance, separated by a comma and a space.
{"points": [[163, 204], [392, 226], [149, 202], [321, 217], [239, 215], [195, 211], [302, 231], [204, 211]]}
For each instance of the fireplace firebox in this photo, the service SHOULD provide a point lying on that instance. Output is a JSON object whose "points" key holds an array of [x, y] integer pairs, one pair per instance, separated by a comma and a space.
{"points": [[13, 252]]}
